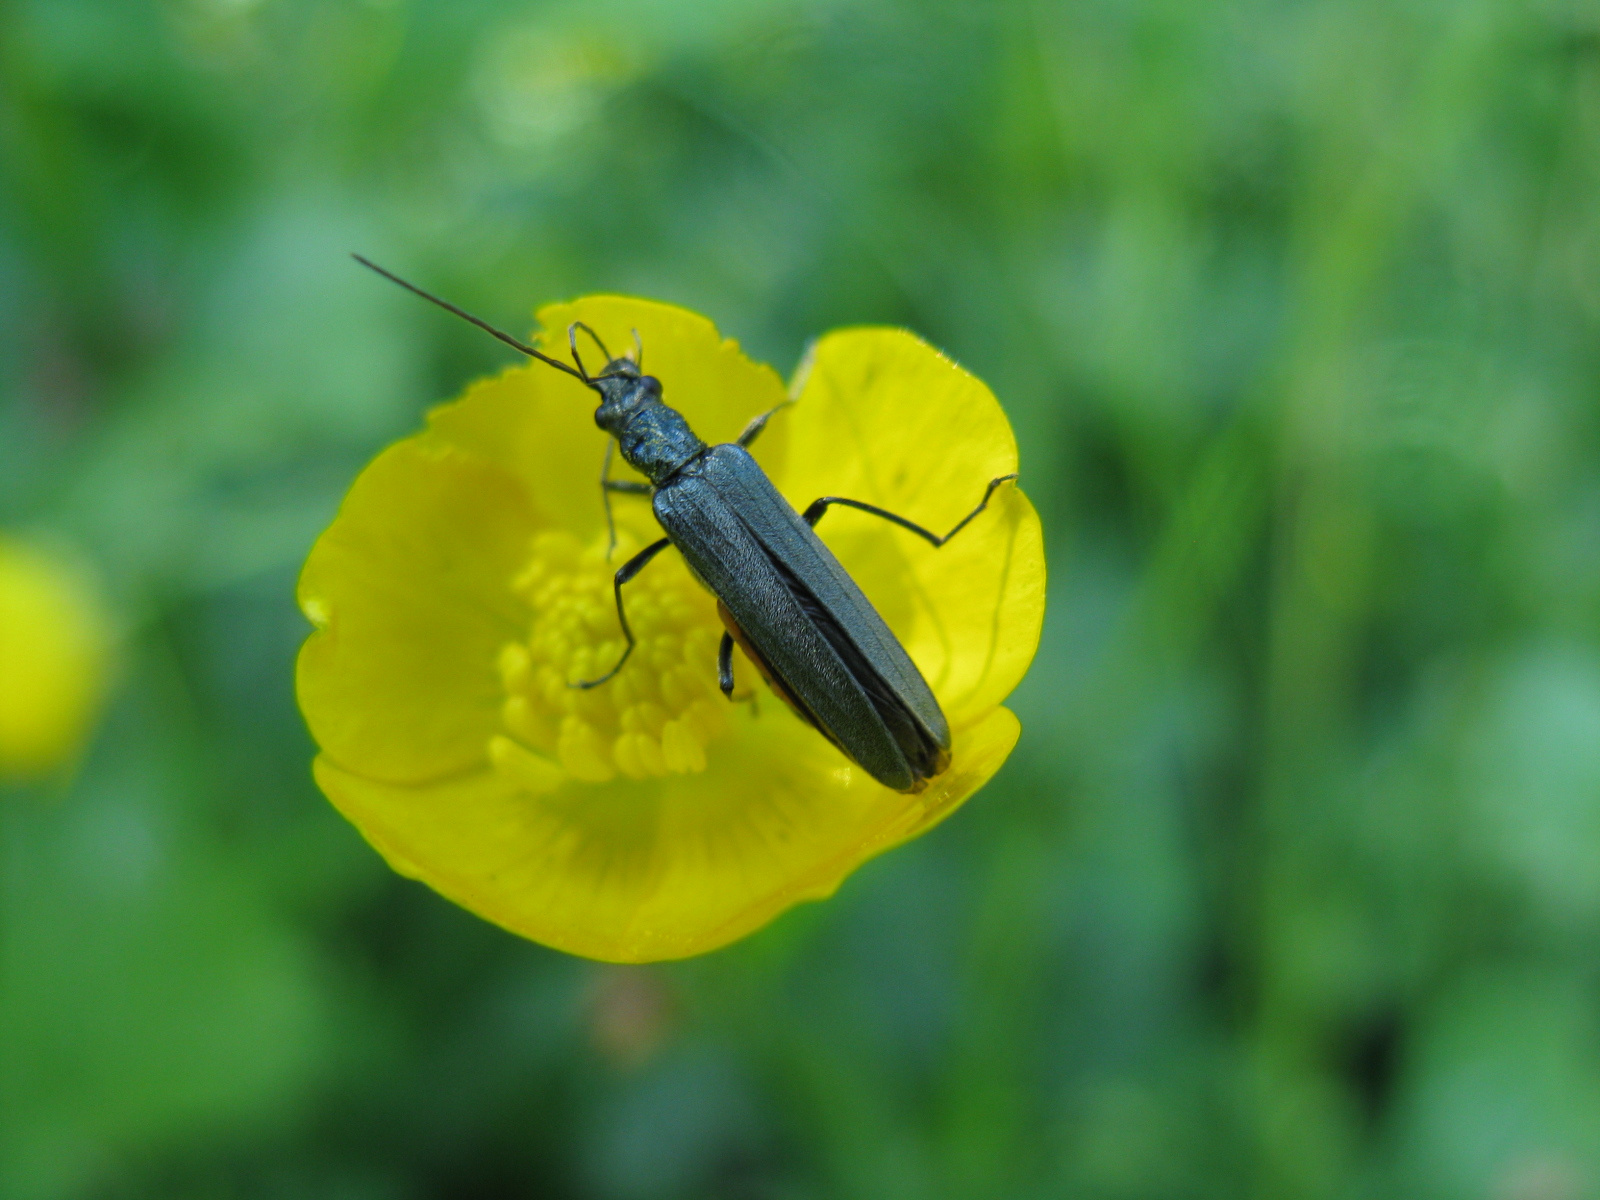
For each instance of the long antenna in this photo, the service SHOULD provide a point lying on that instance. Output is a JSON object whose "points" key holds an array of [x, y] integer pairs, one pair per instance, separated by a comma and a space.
{"points": [[466, 316]]}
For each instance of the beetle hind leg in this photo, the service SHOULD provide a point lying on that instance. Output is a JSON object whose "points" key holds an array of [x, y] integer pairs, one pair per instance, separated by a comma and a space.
{"points": [[813, 514]]}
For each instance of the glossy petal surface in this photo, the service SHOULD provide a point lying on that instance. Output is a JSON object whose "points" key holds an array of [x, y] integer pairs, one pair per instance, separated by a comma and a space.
{"points": [[464, 584]]}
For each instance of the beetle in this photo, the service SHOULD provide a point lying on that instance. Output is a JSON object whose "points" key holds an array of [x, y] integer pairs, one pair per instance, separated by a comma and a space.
{"points": [[782, 595]]}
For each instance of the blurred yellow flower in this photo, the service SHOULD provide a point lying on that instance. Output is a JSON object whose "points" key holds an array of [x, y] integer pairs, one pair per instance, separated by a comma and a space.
{"points": [[465, 581], [53, 655]]}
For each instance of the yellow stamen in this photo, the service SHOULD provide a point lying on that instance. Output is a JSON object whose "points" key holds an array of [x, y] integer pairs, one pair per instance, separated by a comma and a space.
{"points": [[654, 717]]}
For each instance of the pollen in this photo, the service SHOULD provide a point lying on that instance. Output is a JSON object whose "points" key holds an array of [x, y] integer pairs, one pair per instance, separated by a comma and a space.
{"points": [[656, 716]]}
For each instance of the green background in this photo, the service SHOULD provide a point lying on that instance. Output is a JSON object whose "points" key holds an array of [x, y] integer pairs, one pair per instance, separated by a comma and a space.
{"points": [[1292, 887]]}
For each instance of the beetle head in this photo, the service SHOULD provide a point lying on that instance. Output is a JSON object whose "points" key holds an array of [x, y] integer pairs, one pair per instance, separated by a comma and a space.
{"points": [[623, 392]]}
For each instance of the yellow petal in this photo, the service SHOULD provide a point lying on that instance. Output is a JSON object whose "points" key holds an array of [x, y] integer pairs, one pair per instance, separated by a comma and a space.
{"points": [[409, 592], [635, 872], [886, 419], [979, 752], [52, 660], [643, 824], [536, 425]]}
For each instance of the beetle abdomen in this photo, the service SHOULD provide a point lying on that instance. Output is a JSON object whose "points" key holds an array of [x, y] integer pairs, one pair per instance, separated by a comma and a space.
{"points": [[728, 559], [831, 658]]}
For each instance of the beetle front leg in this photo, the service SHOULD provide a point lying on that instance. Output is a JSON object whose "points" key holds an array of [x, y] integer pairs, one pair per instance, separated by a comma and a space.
{"points": [[607, 486]]}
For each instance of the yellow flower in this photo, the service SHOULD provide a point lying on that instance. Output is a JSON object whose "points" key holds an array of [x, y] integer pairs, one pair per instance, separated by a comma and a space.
{"points": [[465, 582], [53, 651]]}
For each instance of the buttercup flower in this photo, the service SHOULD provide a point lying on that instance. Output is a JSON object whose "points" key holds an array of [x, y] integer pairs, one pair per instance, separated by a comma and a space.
{"points": [[465, 583], [53, 651]]}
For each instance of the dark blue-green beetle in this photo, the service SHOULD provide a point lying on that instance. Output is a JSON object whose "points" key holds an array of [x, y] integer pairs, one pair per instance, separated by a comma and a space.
{"points": [[782, 594]]}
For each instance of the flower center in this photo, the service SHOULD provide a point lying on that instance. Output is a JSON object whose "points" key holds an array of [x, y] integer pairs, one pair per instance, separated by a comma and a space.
{"points": [[653, 717]]}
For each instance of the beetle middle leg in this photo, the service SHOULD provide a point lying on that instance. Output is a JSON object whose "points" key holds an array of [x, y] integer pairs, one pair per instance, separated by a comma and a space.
{"points": [[813, 514], [628, 487], [725, 675], [624, 573]]}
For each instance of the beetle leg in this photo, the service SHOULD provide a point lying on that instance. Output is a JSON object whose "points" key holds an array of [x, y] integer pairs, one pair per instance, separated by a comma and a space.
{"points": [[605, 499], [757, 423], [725, 665], [813, 514], [608, 485], [624, 573]]}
